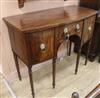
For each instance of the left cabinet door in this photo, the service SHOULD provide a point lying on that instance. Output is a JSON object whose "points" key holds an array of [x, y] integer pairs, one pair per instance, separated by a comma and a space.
{"points": [[42, 45]]}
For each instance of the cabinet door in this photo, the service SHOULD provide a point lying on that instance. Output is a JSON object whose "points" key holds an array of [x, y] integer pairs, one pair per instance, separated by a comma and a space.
{"points": [[88, 28], [42, 44]]}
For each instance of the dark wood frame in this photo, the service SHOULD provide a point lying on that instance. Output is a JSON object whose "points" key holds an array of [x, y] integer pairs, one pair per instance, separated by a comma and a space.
{"points": [[93, 91]]}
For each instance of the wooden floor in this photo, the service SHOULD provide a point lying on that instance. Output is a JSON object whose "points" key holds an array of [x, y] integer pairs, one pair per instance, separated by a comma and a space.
{"points": [[66, 82]]}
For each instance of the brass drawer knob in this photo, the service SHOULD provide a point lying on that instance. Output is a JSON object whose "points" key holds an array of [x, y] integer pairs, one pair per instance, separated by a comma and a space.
{"points": [[66, 33], [66, 30], [42, 46], [90, 28], [78, 27]]}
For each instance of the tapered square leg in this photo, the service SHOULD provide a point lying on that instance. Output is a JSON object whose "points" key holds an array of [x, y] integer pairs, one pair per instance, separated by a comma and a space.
{"points": [[99, 57], [53, 71], [70, 46], [77, 61], [88, 51], [79, 51], [31, 81], [17, 65]]}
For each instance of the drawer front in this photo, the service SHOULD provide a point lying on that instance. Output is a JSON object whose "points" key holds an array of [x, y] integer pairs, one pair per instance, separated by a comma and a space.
{"points": [[42, 45], [71, 29], [76, 28], [88, 28]]}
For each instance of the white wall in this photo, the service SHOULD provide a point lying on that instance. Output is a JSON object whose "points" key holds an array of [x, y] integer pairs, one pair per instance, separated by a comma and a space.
{"points": [[9, 8]]}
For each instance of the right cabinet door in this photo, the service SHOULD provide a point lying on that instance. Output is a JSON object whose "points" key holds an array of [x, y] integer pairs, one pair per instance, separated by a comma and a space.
{"points": [[88, 28]]}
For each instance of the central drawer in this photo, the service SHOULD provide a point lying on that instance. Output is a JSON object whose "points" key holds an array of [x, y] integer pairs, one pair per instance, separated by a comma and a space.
{"points": [[70, 29], [42, 45]]}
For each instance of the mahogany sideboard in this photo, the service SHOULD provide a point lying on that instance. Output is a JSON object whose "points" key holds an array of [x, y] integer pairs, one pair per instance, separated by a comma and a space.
{"points": [[35, 37]]}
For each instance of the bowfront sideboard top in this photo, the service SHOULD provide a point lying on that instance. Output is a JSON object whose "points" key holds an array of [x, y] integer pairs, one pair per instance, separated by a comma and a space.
{"points": [[35, 37], [48, 18]]}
